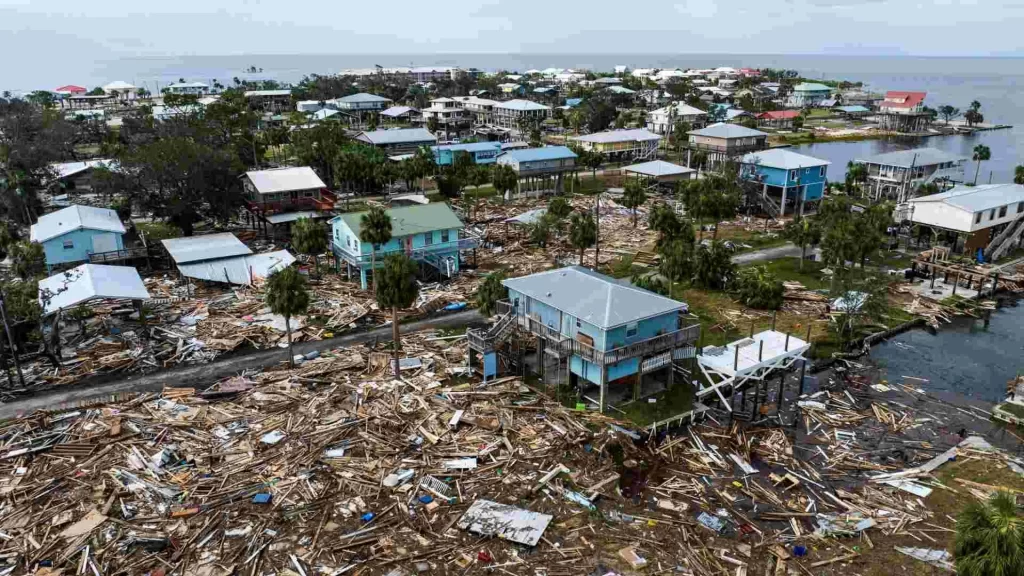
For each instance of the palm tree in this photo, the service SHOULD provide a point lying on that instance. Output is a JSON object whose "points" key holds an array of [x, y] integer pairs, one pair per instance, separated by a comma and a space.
{"points": [[375, 229], [287, 295], [1018, 175], [634, 197], [804, 232], [676, 262], [713, 268], [981, 152], [310, 238], [855, 175], [490, 292], [759, 288], [990, 538], [582, 232], [504, 179], [397, 289]]}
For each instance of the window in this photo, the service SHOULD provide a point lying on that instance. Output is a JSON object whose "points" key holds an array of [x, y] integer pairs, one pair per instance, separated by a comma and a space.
{"points": [[308, 193], [1020, 207], [1002, 211], [428, 238], [821, 172], [444, 236], [977, 218], [992, 214], [69, 244], [792, 175], [337, 235], [631, 330], [577, 322]]}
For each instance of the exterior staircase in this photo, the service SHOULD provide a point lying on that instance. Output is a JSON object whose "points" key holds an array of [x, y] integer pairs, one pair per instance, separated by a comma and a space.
{"points": [[484, 340], [1001, 243]]}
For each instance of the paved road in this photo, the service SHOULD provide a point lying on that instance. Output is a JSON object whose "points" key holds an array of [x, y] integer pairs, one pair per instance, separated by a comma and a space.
{"points": [[205, 374], [787, 250]]}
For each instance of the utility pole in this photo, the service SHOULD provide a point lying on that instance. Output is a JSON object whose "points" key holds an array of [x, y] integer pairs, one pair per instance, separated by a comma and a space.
{"points": [[10, 339], [597, 236]]}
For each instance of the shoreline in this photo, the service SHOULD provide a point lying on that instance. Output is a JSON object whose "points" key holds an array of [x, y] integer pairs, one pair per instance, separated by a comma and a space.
{"points": [[785, 141]]}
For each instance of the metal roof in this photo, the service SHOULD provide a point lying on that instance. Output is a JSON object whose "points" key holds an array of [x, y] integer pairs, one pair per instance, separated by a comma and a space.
{"points": [[913, 157], [209, 247], [406, 220], [65, 169], [251, 93], [656, 168], [403, 136], [528, 217], [620, 90], [241, 270], [284, 179], [853, 109], [811, 87], [535, 154], [362, 97], [73, 218], [782, 159], [324, 114], [89, 282], [119, 85], [293, 216], [188, 85], [594, 298], [723, 130], [395, 111], [682, 109], [521, 105], [470, 147], [978, 198]]}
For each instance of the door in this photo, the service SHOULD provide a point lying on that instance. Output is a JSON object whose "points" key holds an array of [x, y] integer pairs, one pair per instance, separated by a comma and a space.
{"points": [[408, 245], [104, 243]]}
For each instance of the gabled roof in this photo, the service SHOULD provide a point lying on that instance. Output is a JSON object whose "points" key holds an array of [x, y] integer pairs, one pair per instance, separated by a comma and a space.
{"points": [[977, 198], [403, 136], [73, 218], [407, 220], [71, 89], [811, 87], [632, 135], [620, 90], [783, 159], [903, 99], [521, 105], [723, 130], [285, 179], [65, 169], [208, 247], [89, 282], [682, 109], [913, 157], [657, 168], [594, 298], [469, 147], [396, 111], [362, 97], [536, 154], [188, 85], [238, 269], [779, 115], [119, 85]]}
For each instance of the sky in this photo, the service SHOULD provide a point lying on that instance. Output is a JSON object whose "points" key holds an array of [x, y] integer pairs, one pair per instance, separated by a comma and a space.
{"points": [[63, 34]]}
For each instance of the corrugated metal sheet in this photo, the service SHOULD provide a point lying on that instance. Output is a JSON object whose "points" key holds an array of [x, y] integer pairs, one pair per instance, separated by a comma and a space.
{"points": [[209, 247], [241, 270], [285, 179], [88, 282], [75, 218]]}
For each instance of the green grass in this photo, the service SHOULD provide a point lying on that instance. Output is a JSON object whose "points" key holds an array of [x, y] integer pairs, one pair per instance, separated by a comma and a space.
{"points": [[156, 231], [788, 269], [672, 402], [819, 113], [1015, 409]]}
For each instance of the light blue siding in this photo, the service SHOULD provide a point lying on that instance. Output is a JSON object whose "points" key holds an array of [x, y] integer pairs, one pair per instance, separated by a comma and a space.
{"points": [[813, 179], [346, 242], [80, 246]]}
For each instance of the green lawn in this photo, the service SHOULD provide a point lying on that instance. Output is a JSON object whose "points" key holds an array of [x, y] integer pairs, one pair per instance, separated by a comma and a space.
{"points": [[788, 269], [156, 231]]}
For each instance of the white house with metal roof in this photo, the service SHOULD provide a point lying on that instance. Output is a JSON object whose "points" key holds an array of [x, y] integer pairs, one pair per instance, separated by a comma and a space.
{"points": [[76, 232], [190, 88], [224, 258], [721, 141], [398, 141], [540, 170], [615, 144], [609, 333], [899, 174], [292, 187], [808, 94], [513, 113], [663, 120], [361, 102], [988, 214]]}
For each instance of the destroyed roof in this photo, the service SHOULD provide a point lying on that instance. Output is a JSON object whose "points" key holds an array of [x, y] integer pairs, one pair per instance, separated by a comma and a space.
{"points": [[209, 247], [285, 179], [595, 298], [88, 282], [241, 270], [913, 157], [529, 217], [73, 218], [407, 220], [977, 198]]}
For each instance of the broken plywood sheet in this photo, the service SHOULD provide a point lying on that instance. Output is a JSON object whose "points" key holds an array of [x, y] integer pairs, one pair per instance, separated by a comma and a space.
{"points": [[87, 524], [937, 558], [504, 521]]}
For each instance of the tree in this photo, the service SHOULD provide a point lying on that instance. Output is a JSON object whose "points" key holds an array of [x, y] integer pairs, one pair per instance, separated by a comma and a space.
{"points": [[592, 160], [856, 175], [1018, 175], [948, 112], [27, 259], [310, 238], [582, 232], [990, 537], [490, 292], [803, 232], [981, 153], [676, 262], [798, 122], [869, 230], [861, 301], [759, 288], [504, 179], [287, 294], [432, 124], [634, 197], [375, 229], [397, 290], [559, 208], [973, 114], [541, 230], [713, 267]]}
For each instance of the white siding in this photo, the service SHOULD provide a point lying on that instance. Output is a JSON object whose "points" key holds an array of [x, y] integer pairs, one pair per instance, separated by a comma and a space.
{"points": [[943, 215]]}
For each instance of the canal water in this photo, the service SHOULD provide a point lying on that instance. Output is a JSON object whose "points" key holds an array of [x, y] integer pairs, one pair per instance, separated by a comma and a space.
{"points": [[964, 357]]}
